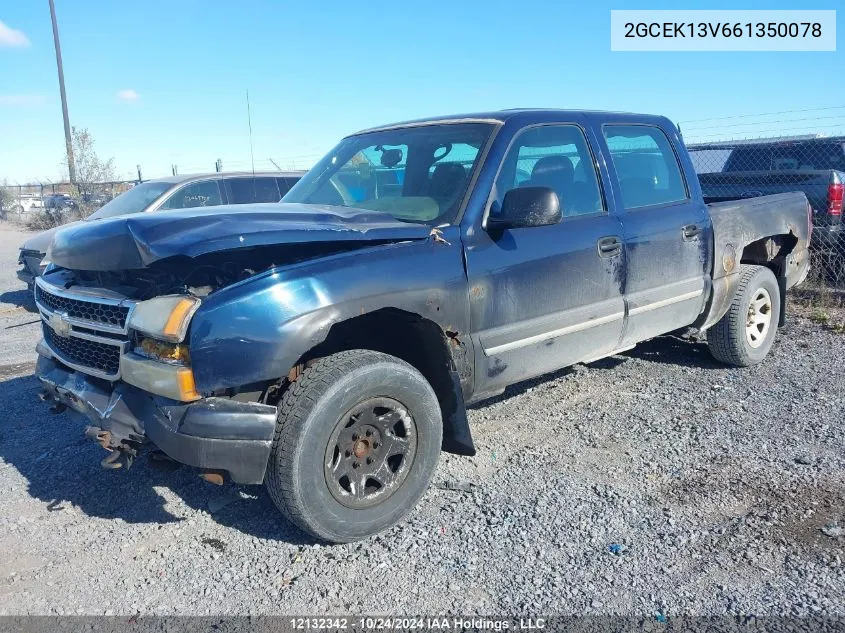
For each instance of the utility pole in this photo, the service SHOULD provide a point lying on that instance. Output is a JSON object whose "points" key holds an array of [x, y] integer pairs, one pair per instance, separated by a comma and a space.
{"points": [[71, 166]]}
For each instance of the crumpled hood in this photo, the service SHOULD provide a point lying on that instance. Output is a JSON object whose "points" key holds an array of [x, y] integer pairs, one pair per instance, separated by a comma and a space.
{"points": [[136, 241], [40, 241]]}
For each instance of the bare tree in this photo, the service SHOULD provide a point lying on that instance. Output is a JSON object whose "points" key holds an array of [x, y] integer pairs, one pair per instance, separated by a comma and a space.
{"points": [[90, 169], [6, 200]]}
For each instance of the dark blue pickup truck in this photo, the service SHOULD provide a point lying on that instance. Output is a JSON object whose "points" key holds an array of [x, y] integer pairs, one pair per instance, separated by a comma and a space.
{"points": [[327, 346]]}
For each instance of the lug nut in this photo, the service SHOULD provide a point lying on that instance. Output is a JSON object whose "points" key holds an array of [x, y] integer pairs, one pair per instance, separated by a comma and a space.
{"points": [[376, 444], [354, 437], [369, 460], [347, 454], [369, 433], [355, 465]]}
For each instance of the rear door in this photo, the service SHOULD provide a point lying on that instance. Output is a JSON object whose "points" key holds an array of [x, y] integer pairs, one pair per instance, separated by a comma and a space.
{"points": [[545, 297], [667, 231]]}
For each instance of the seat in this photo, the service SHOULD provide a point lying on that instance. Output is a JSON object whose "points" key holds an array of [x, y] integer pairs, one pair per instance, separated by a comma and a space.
{"points": [[556, 173], [448, 181]]}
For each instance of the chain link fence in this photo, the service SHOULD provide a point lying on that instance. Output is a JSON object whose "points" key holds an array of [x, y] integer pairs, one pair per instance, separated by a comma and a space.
{"points": [[810, 164], [44, 205]]}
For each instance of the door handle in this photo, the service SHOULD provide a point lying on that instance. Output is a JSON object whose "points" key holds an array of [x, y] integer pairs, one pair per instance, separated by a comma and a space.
{"points": [[690, 231], [609, 246]]}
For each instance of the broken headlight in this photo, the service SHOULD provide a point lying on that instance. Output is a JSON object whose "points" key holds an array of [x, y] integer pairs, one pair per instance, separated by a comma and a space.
{"points": [[173, 353]]}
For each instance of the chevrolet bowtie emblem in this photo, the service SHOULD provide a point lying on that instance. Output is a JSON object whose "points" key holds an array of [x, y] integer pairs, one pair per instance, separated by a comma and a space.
{"points": [[58, 322]]}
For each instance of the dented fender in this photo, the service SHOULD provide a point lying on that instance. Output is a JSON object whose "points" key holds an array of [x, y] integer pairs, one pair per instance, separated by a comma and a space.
{"points": [[266, 323], [737, 225]]}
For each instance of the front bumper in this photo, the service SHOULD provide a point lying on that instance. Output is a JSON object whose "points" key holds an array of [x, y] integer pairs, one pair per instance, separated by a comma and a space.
{"points": [[31, 266], [213, 433], [25, 276]]}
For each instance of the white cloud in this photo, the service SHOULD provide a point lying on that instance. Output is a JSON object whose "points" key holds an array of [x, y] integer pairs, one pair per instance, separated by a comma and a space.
{"points": [[128, 95], [12, 38], [21, 100]]}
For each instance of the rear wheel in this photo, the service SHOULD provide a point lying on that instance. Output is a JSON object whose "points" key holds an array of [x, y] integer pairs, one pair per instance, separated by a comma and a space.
{"points": [[357, 439], [746, 333]]}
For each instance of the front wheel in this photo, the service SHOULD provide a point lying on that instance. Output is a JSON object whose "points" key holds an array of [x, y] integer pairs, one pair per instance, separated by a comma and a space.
{"points": [[357, 439], [746, 333]]}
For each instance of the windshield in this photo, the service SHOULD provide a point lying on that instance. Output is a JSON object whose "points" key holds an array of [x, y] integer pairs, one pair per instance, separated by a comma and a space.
{"points": [[136, 199], [416, 174]]}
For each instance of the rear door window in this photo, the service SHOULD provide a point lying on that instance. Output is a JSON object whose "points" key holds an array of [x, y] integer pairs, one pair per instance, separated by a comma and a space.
{"points": [[286, 183], [646, 165], [199, 194], [247, 189]]}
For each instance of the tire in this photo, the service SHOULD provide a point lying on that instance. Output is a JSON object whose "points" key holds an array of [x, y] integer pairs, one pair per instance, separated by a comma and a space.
{"points": [[743, 336], [311, 475]]}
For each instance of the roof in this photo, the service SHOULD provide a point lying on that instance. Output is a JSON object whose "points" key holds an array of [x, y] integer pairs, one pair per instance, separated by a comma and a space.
{"points": [[181, 178], [496, 116]]}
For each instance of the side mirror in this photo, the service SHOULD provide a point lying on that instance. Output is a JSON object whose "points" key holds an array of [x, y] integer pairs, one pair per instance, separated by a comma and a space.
{"points": [[527, 206]]}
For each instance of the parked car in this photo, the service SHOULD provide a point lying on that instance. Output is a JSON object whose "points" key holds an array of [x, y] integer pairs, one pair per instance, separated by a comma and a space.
{"points": [[327, 346], [177, 192], [95, 199], [24, 203], [815, 167], [59, 201]]}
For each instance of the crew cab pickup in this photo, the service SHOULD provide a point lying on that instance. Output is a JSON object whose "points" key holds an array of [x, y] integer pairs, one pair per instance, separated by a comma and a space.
{"points": [[327, 346]]}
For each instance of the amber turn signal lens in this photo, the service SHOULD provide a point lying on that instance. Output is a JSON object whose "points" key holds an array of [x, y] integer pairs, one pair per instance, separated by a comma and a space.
{"points": [[187, 387], [178, 317]]}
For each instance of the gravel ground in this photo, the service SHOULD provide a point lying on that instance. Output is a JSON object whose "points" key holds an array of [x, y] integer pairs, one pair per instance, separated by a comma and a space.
{"points": [[17, 310], [654, 482]]}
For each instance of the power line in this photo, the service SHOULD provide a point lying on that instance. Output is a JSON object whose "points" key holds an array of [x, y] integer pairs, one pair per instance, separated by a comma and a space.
{"points": [[773, 131], [745, 116], [815, 118]]}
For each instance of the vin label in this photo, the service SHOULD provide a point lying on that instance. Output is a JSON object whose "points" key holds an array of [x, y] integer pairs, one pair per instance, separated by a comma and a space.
{"points": [[728, 30]]}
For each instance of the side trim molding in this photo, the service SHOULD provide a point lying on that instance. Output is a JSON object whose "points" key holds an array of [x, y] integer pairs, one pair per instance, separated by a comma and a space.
{"points": [[554, 333], [665, 302]]}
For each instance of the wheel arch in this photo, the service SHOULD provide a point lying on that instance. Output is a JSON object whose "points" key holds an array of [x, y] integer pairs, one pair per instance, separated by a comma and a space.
{"points": [[441, 356], [772, 251]]}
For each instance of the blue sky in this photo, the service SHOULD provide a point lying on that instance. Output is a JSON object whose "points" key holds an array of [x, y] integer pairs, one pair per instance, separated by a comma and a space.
{"points": [[163, 82]]}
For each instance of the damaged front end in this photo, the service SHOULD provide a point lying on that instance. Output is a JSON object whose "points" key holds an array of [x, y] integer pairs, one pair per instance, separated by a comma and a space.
{"points": [[122, 365], [173, 330], [213, 434], [117, 309]]}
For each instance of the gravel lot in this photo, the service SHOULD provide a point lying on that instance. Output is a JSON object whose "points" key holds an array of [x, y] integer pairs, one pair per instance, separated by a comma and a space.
{"points": [[654, 482]]}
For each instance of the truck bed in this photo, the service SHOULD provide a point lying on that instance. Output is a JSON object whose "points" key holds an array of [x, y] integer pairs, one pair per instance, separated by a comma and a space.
{"points": [[739, 185]]}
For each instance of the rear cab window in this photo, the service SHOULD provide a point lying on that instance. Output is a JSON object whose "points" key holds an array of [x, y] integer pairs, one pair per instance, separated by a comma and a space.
{"points": [[646, 166]]}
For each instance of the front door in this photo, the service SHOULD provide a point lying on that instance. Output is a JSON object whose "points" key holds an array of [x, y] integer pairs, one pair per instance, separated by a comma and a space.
{"points": [[545, 297]]}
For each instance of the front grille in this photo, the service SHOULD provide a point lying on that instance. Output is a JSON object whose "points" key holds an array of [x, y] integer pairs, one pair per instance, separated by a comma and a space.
{"points": [[85, 310], [103, 357]]}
